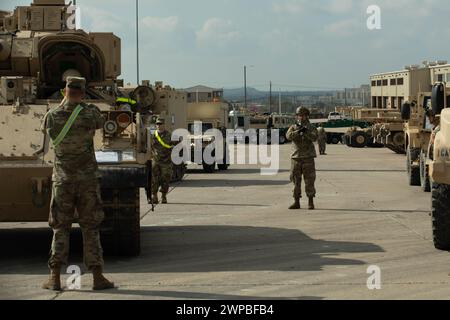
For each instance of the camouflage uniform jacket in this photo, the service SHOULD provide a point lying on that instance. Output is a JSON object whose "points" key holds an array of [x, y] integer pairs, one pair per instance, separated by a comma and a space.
{"points": [[322, 135], [161, 154], [303, 143], [75, 156]]}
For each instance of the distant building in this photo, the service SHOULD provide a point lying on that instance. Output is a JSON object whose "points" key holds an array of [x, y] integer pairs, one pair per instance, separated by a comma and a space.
{"points": [[204, 94], [354, 96]]}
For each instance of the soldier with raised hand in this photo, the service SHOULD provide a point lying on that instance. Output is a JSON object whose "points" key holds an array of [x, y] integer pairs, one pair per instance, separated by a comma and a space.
{"points": [[303, 135], [322, 140], [76, 185], [162, 167]]}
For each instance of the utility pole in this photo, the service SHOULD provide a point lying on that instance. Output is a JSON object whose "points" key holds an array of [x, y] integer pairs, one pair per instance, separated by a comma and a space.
{"points": [[245, 87], [279, 102], [270, 98], [345, 95], [137, 43]]}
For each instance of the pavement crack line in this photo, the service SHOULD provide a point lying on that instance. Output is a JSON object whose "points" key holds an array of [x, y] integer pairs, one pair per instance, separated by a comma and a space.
{"points": [[390, 216]]}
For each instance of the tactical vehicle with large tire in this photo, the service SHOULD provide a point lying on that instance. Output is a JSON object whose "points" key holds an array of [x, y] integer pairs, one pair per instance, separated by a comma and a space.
{"points": [[417, 129], [439, 166]]}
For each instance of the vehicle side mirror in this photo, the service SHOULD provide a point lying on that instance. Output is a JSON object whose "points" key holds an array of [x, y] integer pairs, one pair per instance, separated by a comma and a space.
{"points": [[406, 111], [437, 98]]}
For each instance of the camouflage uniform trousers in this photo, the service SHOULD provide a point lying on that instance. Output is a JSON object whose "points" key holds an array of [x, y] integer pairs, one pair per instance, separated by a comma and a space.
{"points": [[85, 198], [161, 176], [322, 146], [303, 168]]}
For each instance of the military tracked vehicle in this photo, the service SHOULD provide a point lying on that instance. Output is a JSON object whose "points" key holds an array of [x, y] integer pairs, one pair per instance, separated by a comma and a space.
{"points": [[159, 101], [38, 49]]}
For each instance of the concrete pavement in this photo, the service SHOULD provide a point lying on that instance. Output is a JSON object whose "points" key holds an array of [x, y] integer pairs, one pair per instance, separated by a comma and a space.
{"points": [[230, 236]]}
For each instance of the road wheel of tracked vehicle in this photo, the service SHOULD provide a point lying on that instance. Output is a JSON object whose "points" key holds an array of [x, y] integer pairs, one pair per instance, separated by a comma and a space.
{"points": [[441, 216], [359, 140], [424, 173], [413, 171], [120, 231], [209, 168]]}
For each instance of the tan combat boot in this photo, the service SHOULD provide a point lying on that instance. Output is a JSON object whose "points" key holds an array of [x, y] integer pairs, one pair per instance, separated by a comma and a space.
{"points": [[54, 281], [311, 203], [155, 199], [100, 282], [296, 205], [164, 198]]}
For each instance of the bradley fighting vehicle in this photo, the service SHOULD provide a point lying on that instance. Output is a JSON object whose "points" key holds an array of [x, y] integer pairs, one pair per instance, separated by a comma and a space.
{"points": [[158, 101], [38, 49]]}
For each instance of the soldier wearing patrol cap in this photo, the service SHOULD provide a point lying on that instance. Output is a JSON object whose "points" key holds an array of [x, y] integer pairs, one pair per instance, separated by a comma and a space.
{"points": [[71, 127], [303, 135], [161, 142]]}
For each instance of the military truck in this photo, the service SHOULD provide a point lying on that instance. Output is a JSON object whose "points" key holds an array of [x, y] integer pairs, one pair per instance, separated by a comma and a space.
{"points": [[439, 166], [282, 123], [38, 50], [210, 115], [386, 129], [417, 129], [160, 101]]}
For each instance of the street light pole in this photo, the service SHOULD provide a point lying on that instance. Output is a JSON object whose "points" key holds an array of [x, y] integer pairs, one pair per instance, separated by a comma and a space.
{"points": [[137, 43]]}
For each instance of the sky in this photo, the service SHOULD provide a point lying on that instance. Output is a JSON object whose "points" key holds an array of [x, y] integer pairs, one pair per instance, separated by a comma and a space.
{"points": [[296, 44]]}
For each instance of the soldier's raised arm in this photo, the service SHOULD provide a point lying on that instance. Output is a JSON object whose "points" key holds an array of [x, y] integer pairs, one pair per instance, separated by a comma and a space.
{"points": [[99, 118], [292, 133], [47, 123]]}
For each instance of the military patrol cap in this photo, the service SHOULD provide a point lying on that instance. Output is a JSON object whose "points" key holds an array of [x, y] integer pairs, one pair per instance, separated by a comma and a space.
{"points": [[160, 121], [76, 83], [302, 111]]}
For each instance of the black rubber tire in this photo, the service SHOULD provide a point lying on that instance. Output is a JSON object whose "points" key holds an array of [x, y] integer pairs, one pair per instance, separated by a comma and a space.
{"points": [[283, 139], [359, 140], [222, 167], [424, 174], [440, 215], [335, 139], [413, 172], [208, 168], [120, 231]]}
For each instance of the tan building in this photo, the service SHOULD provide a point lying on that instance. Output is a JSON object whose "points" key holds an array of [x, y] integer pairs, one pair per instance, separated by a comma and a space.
{"points": [[440, 73], [199, 94], [390, 90], [354, 96]]}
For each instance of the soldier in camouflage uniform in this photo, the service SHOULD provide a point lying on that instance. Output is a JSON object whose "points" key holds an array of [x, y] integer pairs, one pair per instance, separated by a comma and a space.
{"points": [[322, 140], [161, 142], [303, 135], [75, 183]]}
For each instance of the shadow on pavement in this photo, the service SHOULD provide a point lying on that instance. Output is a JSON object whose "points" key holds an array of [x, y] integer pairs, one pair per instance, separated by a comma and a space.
{"points": [[221, 183], [189, 295], [191, 249]]}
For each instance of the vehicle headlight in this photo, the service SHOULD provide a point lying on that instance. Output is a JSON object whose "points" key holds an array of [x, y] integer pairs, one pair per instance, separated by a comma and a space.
{"points": [[115, 156], [107, 156]]}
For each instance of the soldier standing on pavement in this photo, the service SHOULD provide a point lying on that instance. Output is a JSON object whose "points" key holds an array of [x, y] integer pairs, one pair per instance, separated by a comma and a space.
{"points": [[76, 185], [303, 135], [162, 167], [322, 139]]}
